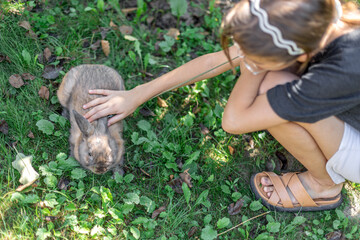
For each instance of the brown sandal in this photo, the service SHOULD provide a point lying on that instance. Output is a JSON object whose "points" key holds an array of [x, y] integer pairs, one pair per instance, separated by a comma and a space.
{"points": [[282, 201]]}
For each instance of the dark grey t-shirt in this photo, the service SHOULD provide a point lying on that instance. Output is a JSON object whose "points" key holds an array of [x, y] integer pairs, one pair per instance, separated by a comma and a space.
{"points": [[329, 87]]}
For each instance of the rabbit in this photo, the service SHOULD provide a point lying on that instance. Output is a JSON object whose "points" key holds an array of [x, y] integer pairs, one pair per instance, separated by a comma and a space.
{"points": [[95, 146]]}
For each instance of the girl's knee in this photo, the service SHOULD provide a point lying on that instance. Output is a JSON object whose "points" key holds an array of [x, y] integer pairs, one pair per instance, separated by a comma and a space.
{"points": [[275, 78]]}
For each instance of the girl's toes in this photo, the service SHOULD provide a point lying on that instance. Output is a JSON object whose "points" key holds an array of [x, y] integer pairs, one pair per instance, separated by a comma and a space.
{"points": [[265, 181], [268, 189]]}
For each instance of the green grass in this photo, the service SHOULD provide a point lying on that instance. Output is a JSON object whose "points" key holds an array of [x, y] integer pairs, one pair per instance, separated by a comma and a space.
{"points": [[103, 207]]}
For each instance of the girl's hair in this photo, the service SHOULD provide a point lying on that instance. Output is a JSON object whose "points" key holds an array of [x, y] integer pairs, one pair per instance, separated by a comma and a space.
{"points": [[302, 21]]}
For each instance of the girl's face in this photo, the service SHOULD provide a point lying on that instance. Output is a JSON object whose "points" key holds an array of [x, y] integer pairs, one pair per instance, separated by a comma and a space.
{"points": [[256, 64]]}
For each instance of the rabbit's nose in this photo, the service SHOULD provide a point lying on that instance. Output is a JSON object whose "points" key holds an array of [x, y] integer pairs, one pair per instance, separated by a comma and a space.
{"points": [[101, 170]]}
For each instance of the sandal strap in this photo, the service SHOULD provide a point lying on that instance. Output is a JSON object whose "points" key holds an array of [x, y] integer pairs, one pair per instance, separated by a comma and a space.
{"points": [[297, 189], [282, 194]]}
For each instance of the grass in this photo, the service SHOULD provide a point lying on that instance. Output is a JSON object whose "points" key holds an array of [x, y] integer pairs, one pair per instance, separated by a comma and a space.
{"points": [[157, 147]]}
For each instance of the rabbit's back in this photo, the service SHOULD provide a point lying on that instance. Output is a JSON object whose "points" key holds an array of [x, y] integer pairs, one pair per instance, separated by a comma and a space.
{"points": [[79, 80]]}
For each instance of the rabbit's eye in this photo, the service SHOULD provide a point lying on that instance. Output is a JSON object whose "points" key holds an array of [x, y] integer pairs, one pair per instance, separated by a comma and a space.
{"points": [[90, 155]]}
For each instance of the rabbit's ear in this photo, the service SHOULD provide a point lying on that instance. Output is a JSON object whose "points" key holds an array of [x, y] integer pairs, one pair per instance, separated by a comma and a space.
{"points": [[85, 127]]}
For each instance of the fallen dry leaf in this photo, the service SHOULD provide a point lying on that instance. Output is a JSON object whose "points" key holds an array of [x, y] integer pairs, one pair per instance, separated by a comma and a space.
{"points": [[337, 235], [25, 24], [27, 76], [22, 163], [31, 135], [63, 183], [176, 185], [4, 127], [47, 54], [185, 176], [157, 212], [44, 93], [51, 72], [112, 24], [174, 33], [283, 160], [31, 34], [192, 231], [146, 112], [234, 209], [105, 47], [95, 45], [231, 150], [128, 10], [161, 102], [4, 58], [50, 218], [16, 81], [196, 110], [204, 130], [150, 19], [126, 30]]}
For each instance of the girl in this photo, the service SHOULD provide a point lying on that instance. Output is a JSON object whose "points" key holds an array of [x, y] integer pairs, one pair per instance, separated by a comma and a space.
{"points": [[314, 112]]}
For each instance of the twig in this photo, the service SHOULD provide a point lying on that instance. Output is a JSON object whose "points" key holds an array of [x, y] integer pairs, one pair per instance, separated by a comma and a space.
{"points": [[145, 173], [243, 223]]}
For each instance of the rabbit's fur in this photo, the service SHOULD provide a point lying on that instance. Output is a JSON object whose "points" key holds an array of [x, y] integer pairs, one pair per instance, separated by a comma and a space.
{"points": [[95, 146]]}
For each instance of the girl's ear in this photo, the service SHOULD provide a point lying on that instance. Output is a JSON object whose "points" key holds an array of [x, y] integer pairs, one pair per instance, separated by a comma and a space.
{"points": [[302, 58]]}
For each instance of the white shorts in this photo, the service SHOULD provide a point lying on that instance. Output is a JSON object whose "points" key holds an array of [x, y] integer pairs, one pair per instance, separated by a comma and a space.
{"points": [[345, 163]]}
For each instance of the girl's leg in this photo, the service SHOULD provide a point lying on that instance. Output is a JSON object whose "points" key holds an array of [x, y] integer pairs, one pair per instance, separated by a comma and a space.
{"points": [[311, 144]]}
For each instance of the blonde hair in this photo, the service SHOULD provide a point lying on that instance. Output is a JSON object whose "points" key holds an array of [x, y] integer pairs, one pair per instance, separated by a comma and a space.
{"points": [[301, 21]]}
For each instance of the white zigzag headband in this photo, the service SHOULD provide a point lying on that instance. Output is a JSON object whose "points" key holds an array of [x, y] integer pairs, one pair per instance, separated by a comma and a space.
{"points": [[275, 33]]}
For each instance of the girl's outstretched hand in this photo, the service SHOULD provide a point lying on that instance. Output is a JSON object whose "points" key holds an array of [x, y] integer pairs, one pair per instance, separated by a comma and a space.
{"points": [[118, 103]]}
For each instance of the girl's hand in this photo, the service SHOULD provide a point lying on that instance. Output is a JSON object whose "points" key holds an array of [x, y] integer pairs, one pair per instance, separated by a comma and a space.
{"points": [[118, 103]]}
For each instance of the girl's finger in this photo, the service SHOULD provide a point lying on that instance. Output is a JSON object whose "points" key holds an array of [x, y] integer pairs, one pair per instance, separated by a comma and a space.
{"points": [[93, 111], [99, 113], [116, 118], [95, 102], [100, 92]]}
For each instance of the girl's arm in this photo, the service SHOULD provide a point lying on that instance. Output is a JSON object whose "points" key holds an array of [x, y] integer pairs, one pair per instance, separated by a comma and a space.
{"points": [[123, 103]]}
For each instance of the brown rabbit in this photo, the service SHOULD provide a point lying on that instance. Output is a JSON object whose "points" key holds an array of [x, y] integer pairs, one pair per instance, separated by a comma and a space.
{"points": [[95, 146]]}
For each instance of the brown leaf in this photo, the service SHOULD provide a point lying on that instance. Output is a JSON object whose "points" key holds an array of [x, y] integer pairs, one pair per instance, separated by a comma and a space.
{"points": [[104, 31], [128, 10], [25, 24], [4, 58], [234, 209], [50, 218], [231, 150], [95, 45], [63, 183], [47, 54], [146, 112], [4, 127], [51, 72], [174, 33], [157, 212], [112, 24], [16, 81], [105, 47], [283, 160], [126, 30], [176, 185], [31, 135], [44, 92], [150, 19], [192, 231], [31, 34], [196, 110], [161, 102], [27, 76], [185, 176], [204, 129], [337, 235]]}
